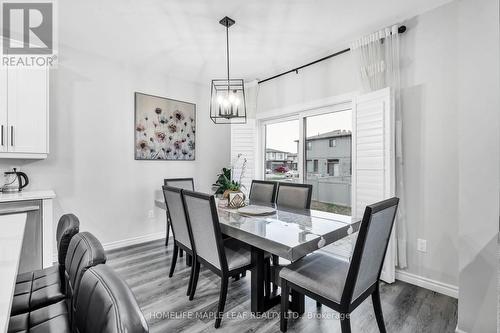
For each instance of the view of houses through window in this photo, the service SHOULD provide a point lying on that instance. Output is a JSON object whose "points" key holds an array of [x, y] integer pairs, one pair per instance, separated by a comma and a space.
{"points": [[282, 143], [327, 160]]}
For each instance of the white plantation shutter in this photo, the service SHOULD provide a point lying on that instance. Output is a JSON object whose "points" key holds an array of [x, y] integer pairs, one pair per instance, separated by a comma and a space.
{"points": [[244, 141], [373, 159]]}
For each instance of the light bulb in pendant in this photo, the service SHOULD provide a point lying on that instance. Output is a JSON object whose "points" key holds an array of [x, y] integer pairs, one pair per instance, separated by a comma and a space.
{"points": [[220, 99]]}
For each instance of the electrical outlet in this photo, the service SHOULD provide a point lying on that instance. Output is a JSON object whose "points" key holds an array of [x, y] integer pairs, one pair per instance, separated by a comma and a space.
{"points": [[422, 245], [151, 214]]}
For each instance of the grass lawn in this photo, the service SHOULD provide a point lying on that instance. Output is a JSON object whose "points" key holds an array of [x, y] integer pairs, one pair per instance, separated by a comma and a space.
{"points": [[331, 208]]}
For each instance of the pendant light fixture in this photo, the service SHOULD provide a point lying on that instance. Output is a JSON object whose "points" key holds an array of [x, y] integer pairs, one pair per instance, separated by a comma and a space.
{"points": [[227, 102]]}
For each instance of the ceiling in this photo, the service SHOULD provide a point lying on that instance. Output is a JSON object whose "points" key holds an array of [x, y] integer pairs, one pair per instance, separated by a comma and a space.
{"points": [[183, 38]]}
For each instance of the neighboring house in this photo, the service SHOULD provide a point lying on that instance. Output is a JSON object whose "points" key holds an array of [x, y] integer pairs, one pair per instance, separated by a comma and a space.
{"points": [[276, 158], [328, 167], [329, 154]]}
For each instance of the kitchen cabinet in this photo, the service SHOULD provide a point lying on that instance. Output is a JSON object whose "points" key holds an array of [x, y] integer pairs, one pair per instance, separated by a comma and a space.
{"points": [[38, 245], [24, 116]]}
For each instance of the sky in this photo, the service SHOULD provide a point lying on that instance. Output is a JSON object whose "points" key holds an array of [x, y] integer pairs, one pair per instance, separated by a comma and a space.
{"points": [[281, 136]]}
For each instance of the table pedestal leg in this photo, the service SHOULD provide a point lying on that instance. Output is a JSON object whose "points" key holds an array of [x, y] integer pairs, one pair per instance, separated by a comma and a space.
{"points": [[257, 282]]}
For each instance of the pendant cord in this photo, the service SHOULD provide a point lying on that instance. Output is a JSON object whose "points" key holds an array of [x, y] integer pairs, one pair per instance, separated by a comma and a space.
{"points": [[227, 55]]}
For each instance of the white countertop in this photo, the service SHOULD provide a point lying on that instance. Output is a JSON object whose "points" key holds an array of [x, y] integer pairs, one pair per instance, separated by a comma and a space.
{"points": [[11, 241], [27, 195]]}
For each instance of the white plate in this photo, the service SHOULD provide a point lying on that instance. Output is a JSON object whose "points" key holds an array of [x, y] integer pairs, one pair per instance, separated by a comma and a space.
{"points": [[256, 210]]}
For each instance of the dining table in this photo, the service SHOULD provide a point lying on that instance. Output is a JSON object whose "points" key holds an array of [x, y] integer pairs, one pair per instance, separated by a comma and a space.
{"points": [[287, 233]]}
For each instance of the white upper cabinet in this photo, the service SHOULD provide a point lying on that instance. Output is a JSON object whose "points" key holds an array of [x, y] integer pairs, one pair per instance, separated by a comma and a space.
{"points": [[24, 113], [3, 110]]}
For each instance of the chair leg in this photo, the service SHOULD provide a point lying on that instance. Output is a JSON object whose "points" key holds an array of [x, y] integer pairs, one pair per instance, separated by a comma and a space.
{"points": [[191, 278], [196, 274], [377, 307], [168, 230], [222, 301], [345, 322], [174, 260], [284, 306]]}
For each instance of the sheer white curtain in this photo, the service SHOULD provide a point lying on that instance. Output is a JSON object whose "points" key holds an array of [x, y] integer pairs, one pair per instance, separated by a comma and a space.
{"points": [[377, 64]]}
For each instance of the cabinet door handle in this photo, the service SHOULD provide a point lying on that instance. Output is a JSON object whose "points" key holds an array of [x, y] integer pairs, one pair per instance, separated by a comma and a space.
{"points": [[12, 136], [2, 135]]}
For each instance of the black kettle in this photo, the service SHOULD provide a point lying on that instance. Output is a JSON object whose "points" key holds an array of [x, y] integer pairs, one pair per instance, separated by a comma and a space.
{"points": [[14, 181]]}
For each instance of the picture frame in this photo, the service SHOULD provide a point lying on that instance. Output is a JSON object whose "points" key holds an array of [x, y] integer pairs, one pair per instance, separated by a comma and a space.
{"points": [[164, 128]]}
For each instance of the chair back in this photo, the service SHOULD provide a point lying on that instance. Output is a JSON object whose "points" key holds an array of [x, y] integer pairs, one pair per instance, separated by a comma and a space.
{"points": [[184, 183], [67, 227], [262, 191], [297, 196], [84, 251], [203, 222], [175, 207], [371, 245], [106, 304]]}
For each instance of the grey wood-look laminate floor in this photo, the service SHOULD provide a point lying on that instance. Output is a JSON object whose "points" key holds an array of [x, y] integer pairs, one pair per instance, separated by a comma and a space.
{"points": [[144, 267]]}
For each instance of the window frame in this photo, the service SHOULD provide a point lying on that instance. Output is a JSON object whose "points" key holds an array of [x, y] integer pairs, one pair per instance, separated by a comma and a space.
{"points": [[299, 112]]}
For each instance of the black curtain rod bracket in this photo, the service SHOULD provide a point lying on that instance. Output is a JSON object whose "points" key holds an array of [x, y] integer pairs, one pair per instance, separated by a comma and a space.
{"points": [[401, 30]]}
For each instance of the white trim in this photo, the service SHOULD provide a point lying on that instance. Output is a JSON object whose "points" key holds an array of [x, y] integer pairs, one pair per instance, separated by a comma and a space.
{"points": [[133, 241], [420, 281], [458, 330], [302, 107], [47, 232], [127, 242]]}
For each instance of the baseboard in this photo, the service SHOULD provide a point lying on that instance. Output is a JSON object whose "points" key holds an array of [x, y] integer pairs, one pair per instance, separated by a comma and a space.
{"points": [[458, 330], [439, 287], [133, 241], [127, 242]]}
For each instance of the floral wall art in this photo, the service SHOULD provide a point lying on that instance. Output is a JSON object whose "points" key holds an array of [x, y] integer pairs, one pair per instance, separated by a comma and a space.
{"points": [[164, 128]]}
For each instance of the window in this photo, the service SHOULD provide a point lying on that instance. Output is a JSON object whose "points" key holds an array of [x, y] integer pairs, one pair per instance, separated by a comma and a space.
{"points": [[333, 168], [281, 141], [310, 151], [330, 172]]}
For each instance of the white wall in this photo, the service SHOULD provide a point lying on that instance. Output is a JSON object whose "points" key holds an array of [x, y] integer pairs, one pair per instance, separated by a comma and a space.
{"points": [[91, 164], [478, 161], [428, 60]]}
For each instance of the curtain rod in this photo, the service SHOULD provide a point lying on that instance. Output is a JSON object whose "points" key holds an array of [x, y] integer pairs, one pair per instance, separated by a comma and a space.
{"points": [[401, 30]]}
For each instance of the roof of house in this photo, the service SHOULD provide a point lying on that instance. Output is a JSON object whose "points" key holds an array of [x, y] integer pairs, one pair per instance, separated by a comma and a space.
{"points": [[328, 135], [271, 150]]}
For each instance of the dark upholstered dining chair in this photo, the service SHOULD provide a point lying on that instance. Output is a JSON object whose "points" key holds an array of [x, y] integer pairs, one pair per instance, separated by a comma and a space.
{"points": [[340, 284], [262, 191], [42, 287], [84, 251], [183, 183], [295, 196], [226, 258], [175, 206], [105, 304]]}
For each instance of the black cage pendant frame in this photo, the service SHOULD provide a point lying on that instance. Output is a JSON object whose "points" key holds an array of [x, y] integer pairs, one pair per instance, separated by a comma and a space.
{"points": [[227, 96]]}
